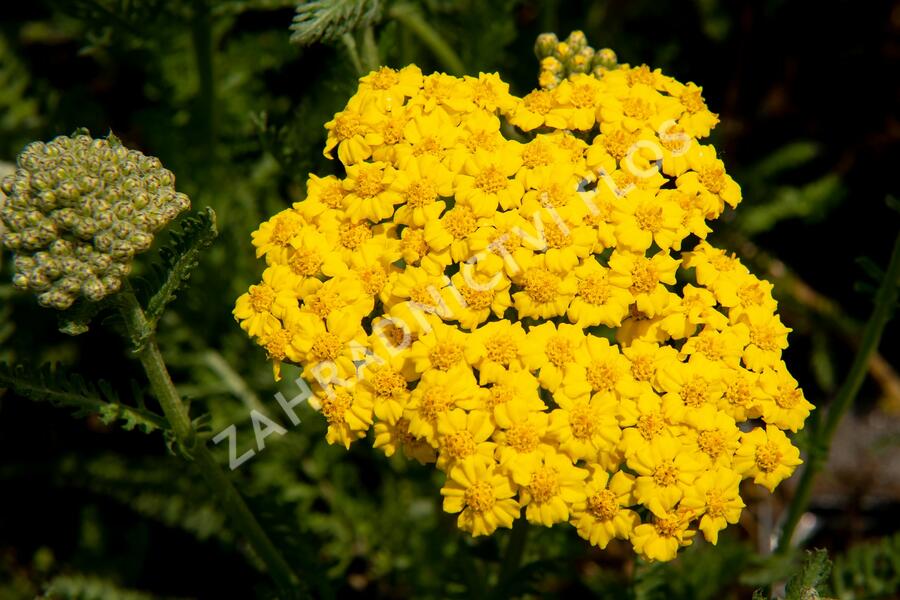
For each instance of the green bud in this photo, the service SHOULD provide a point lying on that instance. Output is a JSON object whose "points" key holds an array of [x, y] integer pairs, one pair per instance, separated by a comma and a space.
{"points": [[77, 210], [577, 41], [545, 45], [605, 58]]}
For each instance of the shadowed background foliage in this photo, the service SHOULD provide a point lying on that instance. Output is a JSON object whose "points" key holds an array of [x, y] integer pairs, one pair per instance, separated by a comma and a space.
{"points": [[807, 100]]}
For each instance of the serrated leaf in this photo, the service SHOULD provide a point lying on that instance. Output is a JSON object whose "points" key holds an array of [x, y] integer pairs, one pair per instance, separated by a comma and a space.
{"points": [[789, 156], [70, 390], [178, 258], [327, 20], [814, 571]]}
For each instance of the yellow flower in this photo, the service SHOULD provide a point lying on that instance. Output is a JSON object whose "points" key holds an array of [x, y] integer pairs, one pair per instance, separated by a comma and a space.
{"points": [[785, 406], [545, 293], [665, 471], [370, 193], [436, 393], [646, 276], [582, 428], [490, 92], [767, 456], [695, 384], [647, 420], [462, 434], [421, 182], [742, 395], [576, 100], [645, 219], [605, 514], [393, 436], [552, 350], [354, 131], [708, 177], [767, 338], [714, 495], [390, 87], [598, 300], [477, 292], [519, 386], [482, 495], [348, 415], [273, 238], [327, 346], [553, 488], [599, 369], [504, 349], [716, 271], [714, 434], [431, 134], [444, 347], [533, 110], [661, 538], [260, 309], [488, 180]]}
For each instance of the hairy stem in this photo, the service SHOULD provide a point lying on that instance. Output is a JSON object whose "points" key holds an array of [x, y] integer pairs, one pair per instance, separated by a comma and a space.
{"points": [[411, 18], [350, 44], [177, 415], [885, 301], [370, 57]]}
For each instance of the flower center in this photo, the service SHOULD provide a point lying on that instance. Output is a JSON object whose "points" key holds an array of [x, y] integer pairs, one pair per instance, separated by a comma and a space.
{"points": [[764, 336], [384, 78], [767, 457], [420, 192], [649, 216], [481, 140], [544, 484], [327, 346], [480, 496], [523, 437], [348, 125], [332, 196], [369, 182], [642, 368], [713, 178], [324, 302], [739, 392], [476, 299], [559, 351], [650, 426], [541, 285], [373, 278], [665, 475], [666, 527], [603, 505], [637, 108], [617, 143], [602, 376], [286, 227], [644, 277], [435, 401], [694, 392], [352, 235], [277, 344], [262, 297], [711, 442], [445, 354], [335, 405], [594, 289], [712, 348], [692, 101], [583, 95], [459, 221], [583, 421], [538, 101], [459, 444], [501, 349], [429, 145], [751, 294], [491, 180], [413, 242], [387, 382], [715, 503], [305, 262], [788, 397], [500, 394], [536, 154]]}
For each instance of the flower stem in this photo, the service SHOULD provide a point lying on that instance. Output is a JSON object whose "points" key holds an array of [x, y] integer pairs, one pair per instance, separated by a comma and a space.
{"points": [[412, 19], [177, 415], [512, 557], [370, 57], [350, 45], [820, 442]]}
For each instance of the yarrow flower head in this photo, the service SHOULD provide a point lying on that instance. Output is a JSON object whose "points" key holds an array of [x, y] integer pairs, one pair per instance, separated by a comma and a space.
{"points": [[77, 211], [542, 320]]}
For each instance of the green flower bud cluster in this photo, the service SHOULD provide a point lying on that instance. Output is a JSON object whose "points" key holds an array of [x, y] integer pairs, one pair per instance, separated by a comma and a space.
{"points": [[77, 211], [559, 60]]}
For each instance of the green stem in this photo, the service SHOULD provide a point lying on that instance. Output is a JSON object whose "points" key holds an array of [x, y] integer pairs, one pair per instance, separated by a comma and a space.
{"points": [[370, 57], [412, 19], [512, 557], [885, 301], [350, 44], [177, 415]]}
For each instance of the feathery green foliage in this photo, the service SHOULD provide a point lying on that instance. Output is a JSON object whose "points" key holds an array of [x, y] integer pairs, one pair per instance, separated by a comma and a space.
{"points": [[55, 385], [327, 20], [870, 570]]}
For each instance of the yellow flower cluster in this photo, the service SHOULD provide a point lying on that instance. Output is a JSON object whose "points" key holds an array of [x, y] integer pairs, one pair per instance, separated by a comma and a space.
{"points": [[510, 311]]}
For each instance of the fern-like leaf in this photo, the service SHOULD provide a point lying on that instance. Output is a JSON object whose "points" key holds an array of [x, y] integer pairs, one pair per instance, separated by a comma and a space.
{"points": [[90, 587], [72, 391], [868, 570], [327, 20], [803, 585], [178, 258]]}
